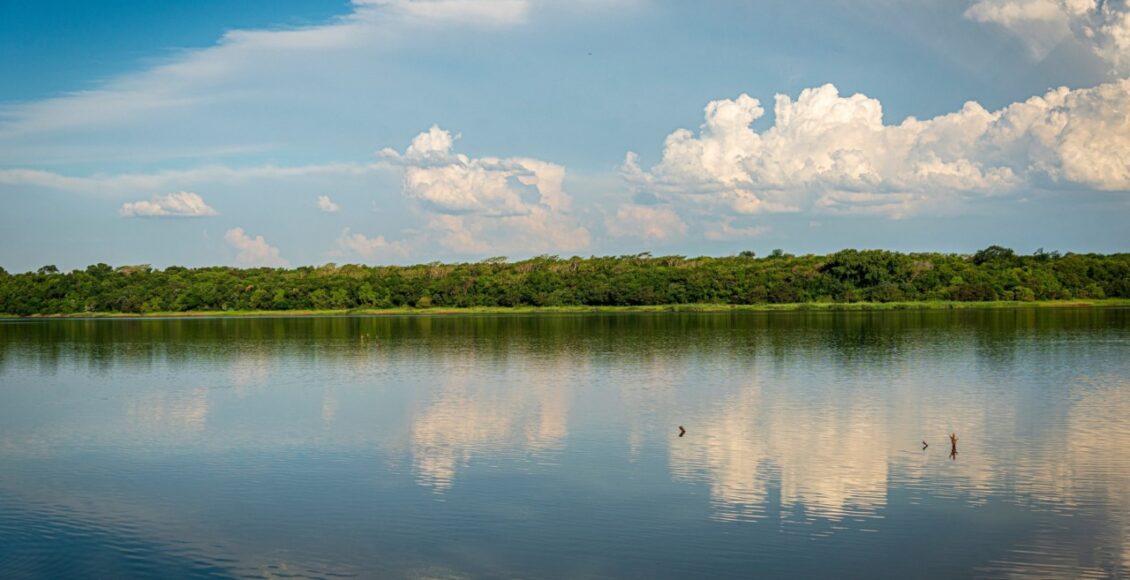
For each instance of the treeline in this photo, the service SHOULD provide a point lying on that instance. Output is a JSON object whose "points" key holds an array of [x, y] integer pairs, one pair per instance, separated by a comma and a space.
{"points": [[994, 273]]}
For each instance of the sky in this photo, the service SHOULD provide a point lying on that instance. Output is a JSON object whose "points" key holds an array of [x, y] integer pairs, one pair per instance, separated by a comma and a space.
{"points": [[302, 132]]}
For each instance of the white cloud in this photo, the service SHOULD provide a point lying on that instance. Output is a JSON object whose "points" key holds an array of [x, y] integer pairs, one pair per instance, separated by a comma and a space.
{"points": [[833, 153], [456, 184], [224, 101], [490, 12], [1079, 137], [646, 222], [247, 64], [327, 205], [455, 235], [489, 203], [1101, 26], [725, 229], [1041, 23], [132, 182], [253, 251], [376, 248], [183, 204]]}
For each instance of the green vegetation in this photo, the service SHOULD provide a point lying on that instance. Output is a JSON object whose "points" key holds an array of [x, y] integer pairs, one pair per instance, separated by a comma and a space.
{"points": [[845, 279]]}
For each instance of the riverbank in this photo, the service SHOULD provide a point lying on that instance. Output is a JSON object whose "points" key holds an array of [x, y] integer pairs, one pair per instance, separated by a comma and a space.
{"points": [[806, 306]]}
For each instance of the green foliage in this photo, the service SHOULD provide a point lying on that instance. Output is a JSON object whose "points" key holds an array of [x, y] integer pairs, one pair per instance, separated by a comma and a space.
{"points": [[994, 273], [995, 255]]}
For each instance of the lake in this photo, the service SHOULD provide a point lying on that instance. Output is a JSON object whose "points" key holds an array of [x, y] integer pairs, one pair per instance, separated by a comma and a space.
{"points": [[548, 446]]}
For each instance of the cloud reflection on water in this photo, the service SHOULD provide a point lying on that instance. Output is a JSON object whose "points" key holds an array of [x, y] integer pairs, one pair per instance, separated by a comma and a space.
{"points": [[158, 412], [523, 410], [806, 430], [826, 462]]}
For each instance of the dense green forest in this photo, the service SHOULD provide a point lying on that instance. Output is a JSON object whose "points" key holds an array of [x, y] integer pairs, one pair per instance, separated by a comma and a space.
{"points": [[994, 273]]}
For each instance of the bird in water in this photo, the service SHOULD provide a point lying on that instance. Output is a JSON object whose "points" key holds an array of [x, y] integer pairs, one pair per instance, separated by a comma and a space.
{"points": [[682, 431]]}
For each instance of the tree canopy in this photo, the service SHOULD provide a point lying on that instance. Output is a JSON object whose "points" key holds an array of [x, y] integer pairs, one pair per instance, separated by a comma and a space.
{"points": [[994, 273]]}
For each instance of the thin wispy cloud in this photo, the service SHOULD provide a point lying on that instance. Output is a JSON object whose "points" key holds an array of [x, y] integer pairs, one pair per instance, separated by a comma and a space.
{"points": [[245, 64], [132, 182], [556, 98], [350, 244], [646, 222], [183, 204], [725, 229]]}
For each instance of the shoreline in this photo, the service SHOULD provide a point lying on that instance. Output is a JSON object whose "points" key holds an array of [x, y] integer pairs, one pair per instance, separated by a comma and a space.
{"points": [[440, 311]]}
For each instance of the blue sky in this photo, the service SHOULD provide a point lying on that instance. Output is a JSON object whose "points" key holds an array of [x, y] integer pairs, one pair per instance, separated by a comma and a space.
{"points": [[399, 131]]}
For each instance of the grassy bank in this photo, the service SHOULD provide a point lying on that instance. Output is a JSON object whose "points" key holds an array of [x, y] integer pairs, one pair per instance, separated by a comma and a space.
{"points": [[805, 306]]}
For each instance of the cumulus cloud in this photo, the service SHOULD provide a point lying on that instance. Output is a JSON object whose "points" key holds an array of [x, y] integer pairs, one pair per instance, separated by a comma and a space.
{"points": [[488, 203], [183, 204], [833, 153], [368, 248], [456, 184], [1102, 26], [253, 251], [455, 235], [646, 222], [327, 205]]}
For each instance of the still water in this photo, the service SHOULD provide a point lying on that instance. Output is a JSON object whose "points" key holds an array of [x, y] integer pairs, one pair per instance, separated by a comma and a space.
{"points": [[548, 446]]}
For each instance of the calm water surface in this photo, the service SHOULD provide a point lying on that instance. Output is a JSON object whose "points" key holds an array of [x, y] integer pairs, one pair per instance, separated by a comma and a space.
{"points": [[548, 447]]}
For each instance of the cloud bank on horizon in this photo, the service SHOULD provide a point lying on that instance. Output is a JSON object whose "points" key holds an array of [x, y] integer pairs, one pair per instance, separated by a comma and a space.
{"points": [[265, 118]]}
